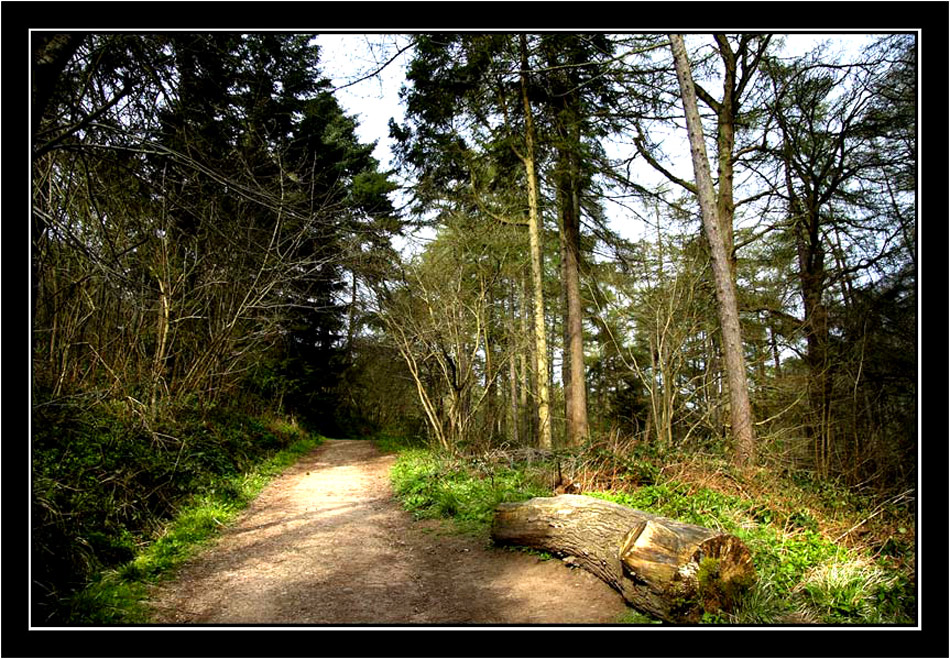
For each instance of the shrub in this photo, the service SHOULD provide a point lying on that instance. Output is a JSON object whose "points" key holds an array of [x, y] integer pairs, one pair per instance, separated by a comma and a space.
{"points": [[104, 484]]}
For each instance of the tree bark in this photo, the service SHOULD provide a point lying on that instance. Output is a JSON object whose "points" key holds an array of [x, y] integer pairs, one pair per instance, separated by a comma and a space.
{"points": [[668, 569], [741, 409], [726, 140], [575, 384], [534, 231], [565, 89]]}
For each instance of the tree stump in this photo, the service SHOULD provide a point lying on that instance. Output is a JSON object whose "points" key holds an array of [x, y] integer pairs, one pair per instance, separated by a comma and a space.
{"points": [[669, 569]]}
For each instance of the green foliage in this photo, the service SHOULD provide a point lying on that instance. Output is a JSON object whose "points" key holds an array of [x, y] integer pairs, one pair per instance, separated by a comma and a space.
{"points": [[434, 485], [392, 443], [797, 568], [104, 487], [857, 590], [634, 617], [800, 574]]}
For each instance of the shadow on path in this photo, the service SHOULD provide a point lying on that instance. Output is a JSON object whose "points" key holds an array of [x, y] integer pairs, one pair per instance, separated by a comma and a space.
{"points": [[326, 544]]}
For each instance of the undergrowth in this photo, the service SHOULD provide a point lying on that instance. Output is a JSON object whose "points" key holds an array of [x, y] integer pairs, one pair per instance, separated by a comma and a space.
{"points": [[117, 503], [807, 572], [431, 485]]}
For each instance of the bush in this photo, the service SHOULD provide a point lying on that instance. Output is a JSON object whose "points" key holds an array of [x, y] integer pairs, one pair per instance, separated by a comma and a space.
{"points": [[104, 484]]}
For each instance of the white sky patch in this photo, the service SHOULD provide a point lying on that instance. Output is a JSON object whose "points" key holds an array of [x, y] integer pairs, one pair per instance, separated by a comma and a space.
{"points": [[345, 59]]}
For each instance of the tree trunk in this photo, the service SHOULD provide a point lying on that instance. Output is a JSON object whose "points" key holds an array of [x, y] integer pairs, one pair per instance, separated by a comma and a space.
{"points": [[537, 278], [491, 387], [514, 419], [575, 386], [725, 141], [565, 333], [526, 359], [564, 84], [669, 569], [741, 409], [812, 277], [158, 362]]}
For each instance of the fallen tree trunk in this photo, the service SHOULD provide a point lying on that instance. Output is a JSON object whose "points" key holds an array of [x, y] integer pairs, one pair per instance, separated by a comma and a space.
{"points": [[669, 569]]}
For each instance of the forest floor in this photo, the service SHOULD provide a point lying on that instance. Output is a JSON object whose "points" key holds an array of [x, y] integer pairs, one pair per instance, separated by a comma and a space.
{"points": [[327, 544]]}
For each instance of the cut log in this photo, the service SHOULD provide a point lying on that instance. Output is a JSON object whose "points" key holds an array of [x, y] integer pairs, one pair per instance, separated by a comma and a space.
{"points": [[668, 569]]}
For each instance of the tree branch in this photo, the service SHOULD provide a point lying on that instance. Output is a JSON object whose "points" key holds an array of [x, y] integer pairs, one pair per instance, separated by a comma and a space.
{"points": [[378, 70], [641, 148]]}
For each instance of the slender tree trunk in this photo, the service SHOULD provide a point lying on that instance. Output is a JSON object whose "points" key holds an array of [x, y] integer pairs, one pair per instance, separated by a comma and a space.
{"points": [[575, 388], [741, 409], [514, 353], [565, 332], [515, 416], [491, 386], [351, 316], [527, 422], [158, 365], [773, 344], [725, 141], [534, 233]]}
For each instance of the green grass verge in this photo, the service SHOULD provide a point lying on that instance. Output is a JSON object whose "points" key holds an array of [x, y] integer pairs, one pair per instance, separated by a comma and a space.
{"points": [[117, 596], [431, 485], [802, 576], [106, 481]]}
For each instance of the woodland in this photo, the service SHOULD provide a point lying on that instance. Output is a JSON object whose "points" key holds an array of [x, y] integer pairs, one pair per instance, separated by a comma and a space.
{"points": [[676, 271]]}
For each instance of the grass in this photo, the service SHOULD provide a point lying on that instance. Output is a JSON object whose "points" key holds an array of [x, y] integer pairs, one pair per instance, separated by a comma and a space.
{"points": [[431, 485], [793, 530], [228, 465], [802, 576], [391, 443], [790, 526]]}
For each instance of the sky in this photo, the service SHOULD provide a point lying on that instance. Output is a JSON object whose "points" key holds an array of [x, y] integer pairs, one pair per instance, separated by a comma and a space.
{"points": [[346, 57]]}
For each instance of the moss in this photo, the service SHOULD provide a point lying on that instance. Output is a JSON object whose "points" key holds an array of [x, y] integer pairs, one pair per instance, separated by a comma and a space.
{"points": [[709, 585], [708, 570], [716, 592]]}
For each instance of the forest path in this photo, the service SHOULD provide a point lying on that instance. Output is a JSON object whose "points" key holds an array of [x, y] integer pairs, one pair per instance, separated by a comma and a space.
{"points": [[326, 543]]}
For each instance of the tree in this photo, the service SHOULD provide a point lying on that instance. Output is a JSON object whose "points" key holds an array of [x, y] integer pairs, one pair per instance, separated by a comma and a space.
{"points": [[202, 188], [740, 66], [841, 175], [489, 78], [740, 407], [572, 83], [437, 316], [534, 235]]}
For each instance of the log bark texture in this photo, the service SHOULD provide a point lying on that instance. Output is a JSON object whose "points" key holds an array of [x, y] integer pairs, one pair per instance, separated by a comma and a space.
{"points": [[669, 569]]}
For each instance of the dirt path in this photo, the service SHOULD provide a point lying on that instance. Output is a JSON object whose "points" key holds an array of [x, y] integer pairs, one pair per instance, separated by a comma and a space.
{"points": [[326, 543]]}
